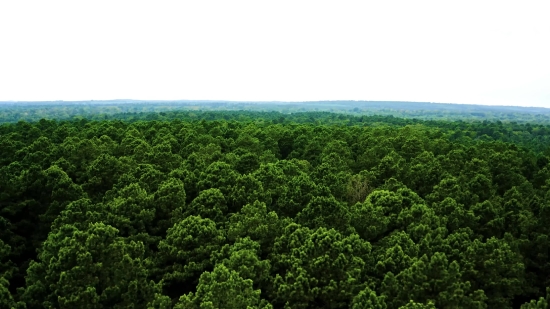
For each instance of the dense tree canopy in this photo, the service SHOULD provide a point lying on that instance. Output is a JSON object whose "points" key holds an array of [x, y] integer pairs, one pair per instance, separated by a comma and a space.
{"points": [[265, 210]]}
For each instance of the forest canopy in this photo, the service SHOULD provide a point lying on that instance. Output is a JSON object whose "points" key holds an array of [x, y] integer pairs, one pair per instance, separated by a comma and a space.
{"points": [[253, 209], [11, 111]]}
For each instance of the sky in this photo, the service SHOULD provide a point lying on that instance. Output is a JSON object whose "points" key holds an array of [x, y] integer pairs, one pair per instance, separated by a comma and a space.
{"points": [[476, 52]]}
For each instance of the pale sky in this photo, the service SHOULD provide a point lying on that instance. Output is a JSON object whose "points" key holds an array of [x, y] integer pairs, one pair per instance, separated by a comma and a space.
{"points": [[480, 52]]}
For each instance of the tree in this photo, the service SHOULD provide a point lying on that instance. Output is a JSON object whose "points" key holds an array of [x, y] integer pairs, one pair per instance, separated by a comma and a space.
{"points": [[62, 191], [244, 257], [432, 279], [415, 305], [325, 212], [169, 203], [247, 189], [211, 204], [541, 303], [90, 268], [367, 299], [218, 175], [317, 267], [256, 222], [223, 288], [300, 190], [132, 211], [247, 163], [6, 270], [186, 252], [496, 267], [359, 187]]}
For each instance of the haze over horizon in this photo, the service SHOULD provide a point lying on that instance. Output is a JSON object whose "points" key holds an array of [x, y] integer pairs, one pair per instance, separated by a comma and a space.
{"points": [[269, 101], [488, 53]]}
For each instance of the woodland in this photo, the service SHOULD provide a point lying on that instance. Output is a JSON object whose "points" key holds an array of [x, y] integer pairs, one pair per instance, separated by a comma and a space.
{"points": [[255, 209], [124, 109]]}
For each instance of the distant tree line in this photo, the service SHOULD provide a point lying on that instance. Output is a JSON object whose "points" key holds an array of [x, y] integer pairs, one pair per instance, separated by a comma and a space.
{"points": [[117, 109]]}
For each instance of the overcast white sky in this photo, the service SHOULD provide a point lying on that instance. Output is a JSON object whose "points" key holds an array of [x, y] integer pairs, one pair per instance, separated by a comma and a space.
{"points": [[482, 52]]}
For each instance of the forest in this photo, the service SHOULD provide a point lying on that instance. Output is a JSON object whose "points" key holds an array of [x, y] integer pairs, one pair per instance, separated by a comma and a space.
{"points": [[117, 109], [197, 209]]}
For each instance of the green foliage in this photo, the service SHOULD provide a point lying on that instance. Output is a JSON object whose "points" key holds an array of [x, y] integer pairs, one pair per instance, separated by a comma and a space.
{"points": [[367, 299], [541, 303], [169, 203], [191, 209], [243, 257], [91, 268], [223, 288], [318, 267], [210, 203], [254, 221], [186, 251], [325, 212]]}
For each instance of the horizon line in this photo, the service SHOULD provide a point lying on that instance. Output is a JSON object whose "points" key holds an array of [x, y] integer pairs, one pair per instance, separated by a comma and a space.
{"points": [[270, 101]]}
